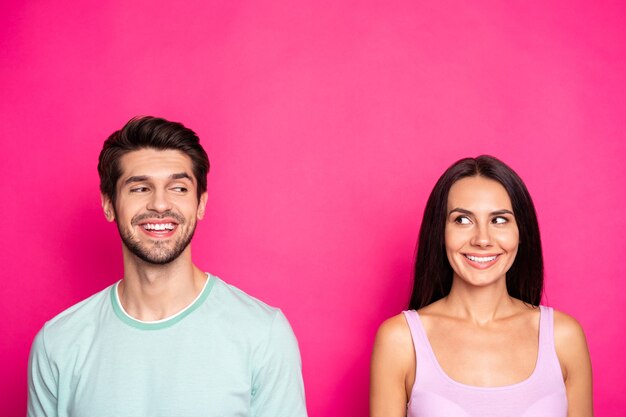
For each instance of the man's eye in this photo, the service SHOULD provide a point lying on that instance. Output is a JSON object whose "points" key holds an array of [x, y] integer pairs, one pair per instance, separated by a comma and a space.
{"points": [[500, 220], [138, 189], [462, 220], [180, 189]]}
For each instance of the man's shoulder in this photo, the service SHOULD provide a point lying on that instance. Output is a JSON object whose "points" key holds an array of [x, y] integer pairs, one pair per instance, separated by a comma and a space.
{"points": [[242, 305], [261, 324], [75, 319]]}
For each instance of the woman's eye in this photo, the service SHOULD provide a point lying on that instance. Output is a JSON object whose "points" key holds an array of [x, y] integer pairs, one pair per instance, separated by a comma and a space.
{"points": [[500, 220], [462, 220]]}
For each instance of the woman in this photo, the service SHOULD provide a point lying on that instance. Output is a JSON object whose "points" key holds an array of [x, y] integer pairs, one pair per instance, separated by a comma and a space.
{"points": [[475, 341]]}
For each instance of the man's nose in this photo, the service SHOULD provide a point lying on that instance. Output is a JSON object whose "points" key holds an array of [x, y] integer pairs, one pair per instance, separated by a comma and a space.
{"points": [[159, 201]]}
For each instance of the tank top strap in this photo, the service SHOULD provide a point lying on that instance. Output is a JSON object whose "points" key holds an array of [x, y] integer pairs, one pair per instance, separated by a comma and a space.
{"points": [[424, 357], [546, 326], [547, 361]]}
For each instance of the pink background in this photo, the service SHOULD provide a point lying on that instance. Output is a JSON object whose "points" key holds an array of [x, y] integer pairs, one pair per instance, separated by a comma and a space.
{"points": [[327, 124]]}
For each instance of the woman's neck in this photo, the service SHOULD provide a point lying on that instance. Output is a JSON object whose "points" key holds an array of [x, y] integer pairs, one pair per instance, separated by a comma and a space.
{"points": [[479, 304]]}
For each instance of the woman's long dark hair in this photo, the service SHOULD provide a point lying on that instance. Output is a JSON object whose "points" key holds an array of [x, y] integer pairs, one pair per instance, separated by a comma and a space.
{"points": [[433, 273]]}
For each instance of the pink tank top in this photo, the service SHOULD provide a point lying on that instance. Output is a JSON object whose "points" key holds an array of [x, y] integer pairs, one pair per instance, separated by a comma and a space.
{"points": [[435, 394]]}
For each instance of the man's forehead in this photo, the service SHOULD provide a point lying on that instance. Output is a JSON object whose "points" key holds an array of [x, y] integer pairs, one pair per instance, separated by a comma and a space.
{"points": [[153, 163]]}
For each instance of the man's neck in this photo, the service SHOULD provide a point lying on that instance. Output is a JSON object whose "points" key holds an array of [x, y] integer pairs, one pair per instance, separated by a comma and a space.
{"points": [[151, 292]]}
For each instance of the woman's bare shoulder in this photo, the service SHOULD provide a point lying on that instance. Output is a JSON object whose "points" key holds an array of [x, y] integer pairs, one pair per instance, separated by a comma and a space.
{"points": [[571, 348], [393, 356], [392, 366], [394, 344], [566, 328], [570, 342], [395, 330]]}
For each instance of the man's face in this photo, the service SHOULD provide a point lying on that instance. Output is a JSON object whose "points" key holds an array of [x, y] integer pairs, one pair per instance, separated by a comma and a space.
{"points": [[157, 206]]}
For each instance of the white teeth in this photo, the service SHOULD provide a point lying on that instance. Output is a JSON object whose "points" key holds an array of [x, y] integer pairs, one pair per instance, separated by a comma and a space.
{"points": [[160, 226], [480, 259]]}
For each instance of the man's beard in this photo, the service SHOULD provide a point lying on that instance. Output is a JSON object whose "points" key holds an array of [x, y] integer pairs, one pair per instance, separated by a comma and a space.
{"points": [[158, 253]]}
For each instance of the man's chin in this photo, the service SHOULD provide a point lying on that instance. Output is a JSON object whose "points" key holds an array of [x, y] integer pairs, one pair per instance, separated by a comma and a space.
{"points": [[154, 255], [159, 252], [157, 257]]}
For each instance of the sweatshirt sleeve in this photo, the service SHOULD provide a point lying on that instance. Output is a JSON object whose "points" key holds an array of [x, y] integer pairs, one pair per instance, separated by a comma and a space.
{"points": [[277, 386], [42, 381]]}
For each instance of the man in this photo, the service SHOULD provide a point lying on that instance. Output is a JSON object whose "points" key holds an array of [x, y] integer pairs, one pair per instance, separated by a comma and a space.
{"points": [[167, 339]]}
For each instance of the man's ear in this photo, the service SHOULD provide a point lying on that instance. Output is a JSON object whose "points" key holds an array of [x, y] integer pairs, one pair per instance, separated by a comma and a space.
{"points": [[202, 205], [107, 207]]}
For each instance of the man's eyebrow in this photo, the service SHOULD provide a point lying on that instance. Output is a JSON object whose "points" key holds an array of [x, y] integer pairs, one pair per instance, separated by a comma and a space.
{"points": [[136, 178], [142, 178], [181, 175]]}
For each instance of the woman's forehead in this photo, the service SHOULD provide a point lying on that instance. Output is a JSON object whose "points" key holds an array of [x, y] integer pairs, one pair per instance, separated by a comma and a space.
{"points": [[478, 193]]}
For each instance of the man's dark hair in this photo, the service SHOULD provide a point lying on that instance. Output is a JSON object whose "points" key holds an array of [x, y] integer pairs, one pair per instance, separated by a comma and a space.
{"points": [[149, 132], [433, 273]]}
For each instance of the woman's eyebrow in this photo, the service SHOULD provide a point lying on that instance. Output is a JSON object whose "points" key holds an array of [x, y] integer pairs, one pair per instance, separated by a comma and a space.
{"points": [[493, 213], [460, 210]]}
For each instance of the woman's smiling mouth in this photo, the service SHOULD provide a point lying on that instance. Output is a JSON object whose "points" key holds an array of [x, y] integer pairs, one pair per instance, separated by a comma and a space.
{"points": [[481, 261]]}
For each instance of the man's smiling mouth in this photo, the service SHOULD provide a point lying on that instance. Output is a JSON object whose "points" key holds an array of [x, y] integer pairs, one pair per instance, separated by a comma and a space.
{"points": [[158, 226]]}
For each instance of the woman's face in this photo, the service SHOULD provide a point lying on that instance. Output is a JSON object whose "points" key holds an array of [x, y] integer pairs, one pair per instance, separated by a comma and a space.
{"points": [[481, 233]]}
